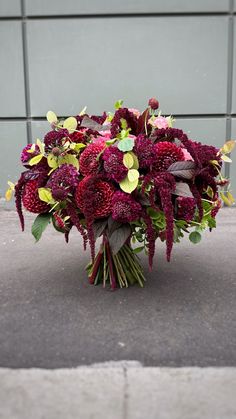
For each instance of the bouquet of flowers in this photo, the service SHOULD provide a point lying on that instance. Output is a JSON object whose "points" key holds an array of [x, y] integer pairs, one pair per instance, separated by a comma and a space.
{"points": [[128, 177]]}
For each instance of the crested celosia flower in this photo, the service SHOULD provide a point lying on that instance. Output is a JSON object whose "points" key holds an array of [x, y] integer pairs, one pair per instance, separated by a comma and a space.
{"points": [[166, 154], [54, 139], [113, 164], [125, 208], [131, 119], [26, 156], [63, 181], [185, 208], [145, 151], [89, 158], [30, 198]]}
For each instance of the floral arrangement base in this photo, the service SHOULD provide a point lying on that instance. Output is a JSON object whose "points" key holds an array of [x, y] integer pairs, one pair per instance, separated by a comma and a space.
{"points": [[119, 270]]}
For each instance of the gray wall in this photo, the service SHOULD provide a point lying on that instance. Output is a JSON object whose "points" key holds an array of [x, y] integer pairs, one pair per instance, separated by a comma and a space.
{"points": [[63, 55]]}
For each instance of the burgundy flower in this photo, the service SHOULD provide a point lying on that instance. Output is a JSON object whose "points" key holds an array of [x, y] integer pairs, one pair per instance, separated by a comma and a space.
{"points": [[153, 103], [78, 137], [94, 195], [89, 163], [63, 181], [166, 154], [185, 208], [30, 198], [54, 139], [25, 156], [124, 208], [131, 119], [113, 164], [145, 151]]}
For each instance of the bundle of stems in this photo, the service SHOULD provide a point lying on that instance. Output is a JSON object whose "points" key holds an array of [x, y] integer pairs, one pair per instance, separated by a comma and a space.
{"points": [[119, 270]]}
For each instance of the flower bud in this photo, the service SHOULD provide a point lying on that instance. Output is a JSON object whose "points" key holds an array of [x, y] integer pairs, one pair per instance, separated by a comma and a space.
{"points": [[153, 103], [56, 151]]}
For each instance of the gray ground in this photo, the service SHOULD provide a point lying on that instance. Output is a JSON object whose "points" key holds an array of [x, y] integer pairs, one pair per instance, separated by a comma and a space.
{"points": [[50, 316]]}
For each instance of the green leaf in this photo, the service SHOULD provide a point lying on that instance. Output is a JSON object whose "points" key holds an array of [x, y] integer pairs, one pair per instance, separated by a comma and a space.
{"points": [[226, 158], [128, 160], [51, 117], [39, 225], [40, 145], [52, 161], [118, 104], [228, 146], [195, 237], [127, 186], [127, 144], [35, 159], [138, 249], [135, 158], [123, 123], [133, 175], [78, 146], [70, 124], [45, 195], [69, 159]]}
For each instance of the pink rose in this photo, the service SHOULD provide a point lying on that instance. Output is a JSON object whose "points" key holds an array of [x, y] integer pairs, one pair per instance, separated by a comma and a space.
{"points": [[187, 155]]}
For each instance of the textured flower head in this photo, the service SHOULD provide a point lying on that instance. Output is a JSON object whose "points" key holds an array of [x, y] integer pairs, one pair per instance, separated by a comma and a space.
{"points": [[185, 208], [94, 197], [30, 198], [145, 151], [78, 136], [89, 163], [159, 122], [131, 119], [124, 208], [113, 164], [166, 154], [26, 156], [54, 139], [63, 181]]}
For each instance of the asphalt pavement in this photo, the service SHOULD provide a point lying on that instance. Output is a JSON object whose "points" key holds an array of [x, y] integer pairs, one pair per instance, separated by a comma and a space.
{"points": [[50, 317]]}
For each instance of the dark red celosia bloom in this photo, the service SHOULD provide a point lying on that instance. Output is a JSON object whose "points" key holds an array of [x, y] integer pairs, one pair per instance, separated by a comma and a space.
{"points": [[198, 198], [145, 151], [30, 198], [63, 181], [151, 236], [113, 164], [185, 208], [72, 211], [124, 208], [78, 137], [162, 185], [215, 210], [94, 198], [25, 156], [131, 119], [166, 154], [89, 161], [54, 139]]}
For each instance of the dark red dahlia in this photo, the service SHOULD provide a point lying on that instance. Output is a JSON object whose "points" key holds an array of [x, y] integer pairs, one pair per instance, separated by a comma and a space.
{"points": [[166, 154], [145, 151], [30, 198], [185, 208], [113, 164], [124, 208], [89, 162], [54, 139], [26, 156], [63, 181], [78, 137], [94, 195]]}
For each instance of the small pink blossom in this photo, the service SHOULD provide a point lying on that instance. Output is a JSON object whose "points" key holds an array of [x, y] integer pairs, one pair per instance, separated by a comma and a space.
{"points": [[187, 155], [135, 111], [159, 122]]}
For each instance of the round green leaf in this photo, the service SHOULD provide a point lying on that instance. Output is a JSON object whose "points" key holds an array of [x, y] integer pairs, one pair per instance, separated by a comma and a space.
{"points": [[128, 160], [35, 160], [195, 237], [127, 144], [127, 186], [45, 195], [133, 175], [70, 124], [51, 117]]}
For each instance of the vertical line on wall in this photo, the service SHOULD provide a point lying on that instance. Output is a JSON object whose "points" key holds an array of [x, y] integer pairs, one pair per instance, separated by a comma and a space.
{"points": [[26, 71], [230, 77]]}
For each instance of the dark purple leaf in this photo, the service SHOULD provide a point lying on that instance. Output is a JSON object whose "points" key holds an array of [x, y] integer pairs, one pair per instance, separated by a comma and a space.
{"points": [[182, 189], [91, 124], [119, 237], [98, 228], [31, 174], [142, 121], [183, 169], [112, 225]]}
